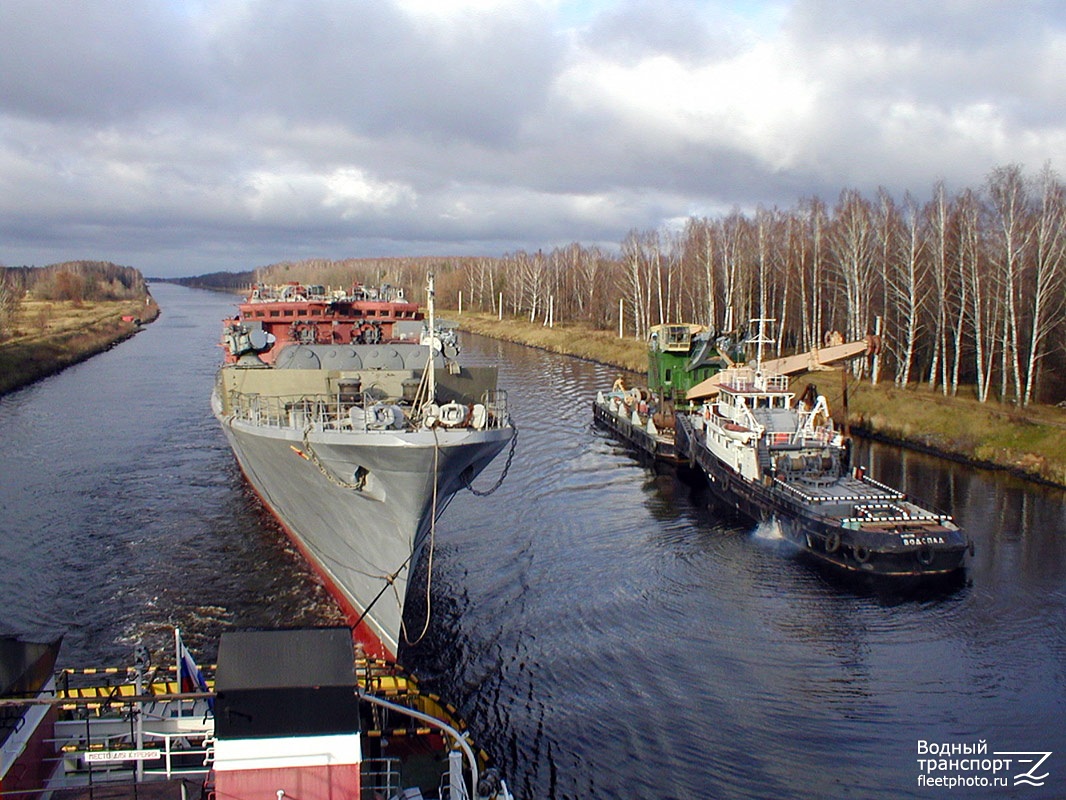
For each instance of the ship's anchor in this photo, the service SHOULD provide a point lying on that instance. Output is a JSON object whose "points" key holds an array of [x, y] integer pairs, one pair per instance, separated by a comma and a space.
{"points": [[360, 473]]}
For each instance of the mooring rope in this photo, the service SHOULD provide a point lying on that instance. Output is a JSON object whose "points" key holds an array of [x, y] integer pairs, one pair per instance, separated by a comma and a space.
{"points": [[432, 545]]}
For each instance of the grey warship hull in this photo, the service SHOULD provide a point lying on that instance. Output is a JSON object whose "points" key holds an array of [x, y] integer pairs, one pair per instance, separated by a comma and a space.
{"points": [[356, 484]]}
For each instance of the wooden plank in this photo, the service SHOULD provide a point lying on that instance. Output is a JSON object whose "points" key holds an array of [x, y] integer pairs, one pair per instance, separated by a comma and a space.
{"points": [[818, 358]]}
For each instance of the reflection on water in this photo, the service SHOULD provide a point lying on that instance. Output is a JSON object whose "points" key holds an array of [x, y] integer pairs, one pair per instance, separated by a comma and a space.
{"points": [[604, 628], [122, 511], [629, 638]]}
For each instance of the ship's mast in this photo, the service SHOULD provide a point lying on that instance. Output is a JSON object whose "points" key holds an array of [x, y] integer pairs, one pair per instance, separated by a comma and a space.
{"points": [[431, 379], [760, 339]]}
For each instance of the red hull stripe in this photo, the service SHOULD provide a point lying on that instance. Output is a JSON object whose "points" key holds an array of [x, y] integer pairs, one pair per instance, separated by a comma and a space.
{"points": [[361, 633]]}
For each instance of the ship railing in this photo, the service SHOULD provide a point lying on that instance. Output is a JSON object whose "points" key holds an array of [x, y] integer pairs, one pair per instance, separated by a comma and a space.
{"points": [[335, 411], [894, 493], [299, 412], [99, 743], [746, 380], [773, 383], [807, 503], [380, 777], [722, 413], [867, 503], [890, 512], [495, 402], [738, 378], [183, 747], [810, 437], [819, 498], [817, 506]]}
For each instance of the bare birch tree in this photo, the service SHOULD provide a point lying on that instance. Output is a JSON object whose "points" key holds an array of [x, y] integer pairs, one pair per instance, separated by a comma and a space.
{"points": [[937, 214], [734, 238], [1047, 290], [906, 287], [701, 239], [634, 289], [851, 243], [1014, 231]]}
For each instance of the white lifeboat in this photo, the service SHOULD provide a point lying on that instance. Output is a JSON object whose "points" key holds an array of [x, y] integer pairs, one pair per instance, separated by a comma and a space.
{"points": [[737, 432]]}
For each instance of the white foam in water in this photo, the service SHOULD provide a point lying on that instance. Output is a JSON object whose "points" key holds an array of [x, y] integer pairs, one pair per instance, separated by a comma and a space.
{"points": [[769, 531]]}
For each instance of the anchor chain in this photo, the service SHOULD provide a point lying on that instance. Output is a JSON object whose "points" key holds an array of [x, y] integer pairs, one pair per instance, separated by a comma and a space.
{"points": [[468, 482], [328, 473]]}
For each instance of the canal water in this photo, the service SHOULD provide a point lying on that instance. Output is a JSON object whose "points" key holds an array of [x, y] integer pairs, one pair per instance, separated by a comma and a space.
{"points": [[605, 629]]}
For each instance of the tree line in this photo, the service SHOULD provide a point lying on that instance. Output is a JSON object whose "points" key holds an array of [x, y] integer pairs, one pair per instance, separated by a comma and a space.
{"points": [[963, 288], [217, 281], [77, 281], [72, 281]]}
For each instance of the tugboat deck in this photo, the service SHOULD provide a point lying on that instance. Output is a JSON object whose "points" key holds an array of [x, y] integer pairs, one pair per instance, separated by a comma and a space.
{"points": [[844, 491]]}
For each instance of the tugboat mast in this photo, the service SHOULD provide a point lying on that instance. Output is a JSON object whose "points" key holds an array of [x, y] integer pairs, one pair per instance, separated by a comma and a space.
{"points": [[760, 339]]}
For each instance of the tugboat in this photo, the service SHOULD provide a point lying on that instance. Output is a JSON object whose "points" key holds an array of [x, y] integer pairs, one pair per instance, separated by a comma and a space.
{"points": [[773, 456]]}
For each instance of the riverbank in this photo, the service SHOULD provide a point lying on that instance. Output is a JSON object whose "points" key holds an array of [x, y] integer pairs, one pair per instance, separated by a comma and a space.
{"points": [[50, 335], [603, 347], [1029, 442]]}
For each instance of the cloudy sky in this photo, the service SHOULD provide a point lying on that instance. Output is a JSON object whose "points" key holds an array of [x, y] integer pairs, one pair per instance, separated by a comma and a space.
{"points": [[188, 136]]}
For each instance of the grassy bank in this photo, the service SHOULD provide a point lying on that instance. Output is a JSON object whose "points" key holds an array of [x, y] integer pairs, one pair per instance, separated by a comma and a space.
{"points": [[51, 335], [1030, 442], [573, 340]]}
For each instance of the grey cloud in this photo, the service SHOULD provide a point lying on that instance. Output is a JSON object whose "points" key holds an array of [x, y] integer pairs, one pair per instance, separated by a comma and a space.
{"points": [[187, 136], [684, 29], [380, 72], [953, 24], [97, 61], [943, 53]]}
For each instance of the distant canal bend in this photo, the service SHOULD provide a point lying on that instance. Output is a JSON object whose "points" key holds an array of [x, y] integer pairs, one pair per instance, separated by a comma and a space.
{"points": [[604, 630]]}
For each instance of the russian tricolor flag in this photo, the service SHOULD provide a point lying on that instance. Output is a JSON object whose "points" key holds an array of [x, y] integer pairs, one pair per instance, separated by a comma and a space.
{"points": [[190, 676]]}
